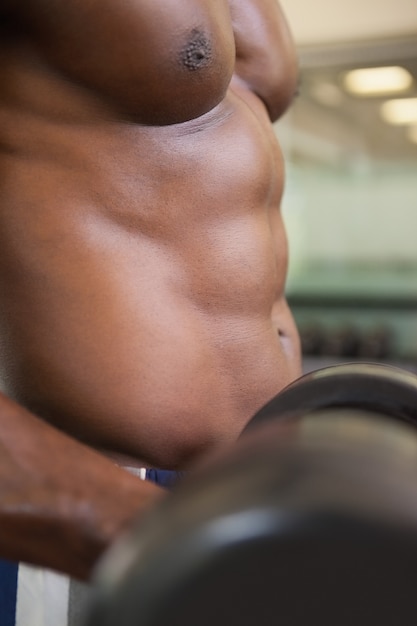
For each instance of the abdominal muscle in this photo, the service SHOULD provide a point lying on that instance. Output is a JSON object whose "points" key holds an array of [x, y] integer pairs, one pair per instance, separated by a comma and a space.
{"points": [[141, 312]]}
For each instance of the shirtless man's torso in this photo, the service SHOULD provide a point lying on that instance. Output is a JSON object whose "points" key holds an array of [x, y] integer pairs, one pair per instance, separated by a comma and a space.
{"points": [[142, 251], [143, 255]]}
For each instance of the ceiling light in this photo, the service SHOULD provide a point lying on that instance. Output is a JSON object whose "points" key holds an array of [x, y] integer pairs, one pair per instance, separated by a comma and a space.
{"points": [[412, 134], [375, 81], [400, 111]]}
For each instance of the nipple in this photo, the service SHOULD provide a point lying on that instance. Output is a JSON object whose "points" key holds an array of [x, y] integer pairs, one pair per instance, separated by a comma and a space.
{"points": [[197, 52]]}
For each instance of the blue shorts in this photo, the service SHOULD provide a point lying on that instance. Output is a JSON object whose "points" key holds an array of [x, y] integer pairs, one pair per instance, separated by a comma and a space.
{"points": [[9, 571]]}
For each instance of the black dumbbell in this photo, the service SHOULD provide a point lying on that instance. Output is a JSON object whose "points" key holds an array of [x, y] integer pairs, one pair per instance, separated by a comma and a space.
{"points": [[313, 524], [382, 389]]}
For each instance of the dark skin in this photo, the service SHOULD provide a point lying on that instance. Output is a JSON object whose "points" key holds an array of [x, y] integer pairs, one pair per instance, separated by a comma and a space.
{"points": [[142, 253]]}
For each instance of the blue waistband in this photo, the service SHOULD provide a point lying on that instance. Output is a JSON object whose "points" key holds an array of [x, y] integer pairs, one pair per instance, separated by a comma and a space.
{"points": [[164, 478]]}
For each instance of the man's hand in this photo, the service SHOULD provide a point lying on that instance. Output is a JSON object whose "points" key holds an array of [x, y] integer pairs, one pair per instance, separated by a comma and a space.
{"points": [[61, 503]]}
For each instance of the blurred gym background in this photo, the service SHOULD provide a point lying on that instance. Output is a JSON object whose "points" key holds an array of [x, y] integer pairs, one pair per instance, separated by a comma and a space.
{"points": [[350, 204]]}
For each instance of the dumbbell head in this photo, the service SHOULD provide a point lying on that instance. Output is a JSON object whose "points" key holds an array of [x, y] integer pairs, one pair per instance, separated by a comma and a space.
{"points": [[315, 526], [382, 389]]}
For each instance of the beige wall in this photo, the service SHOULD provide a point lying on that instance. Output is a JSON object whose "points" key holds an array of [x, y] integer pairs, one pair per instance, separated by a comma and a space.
{"points": [[328, 21]]}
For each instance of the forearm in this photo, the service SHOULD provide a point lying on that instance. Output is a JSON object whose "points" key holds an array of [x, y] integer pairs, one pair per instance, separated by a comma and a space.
{"points": [[61, 503]]}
